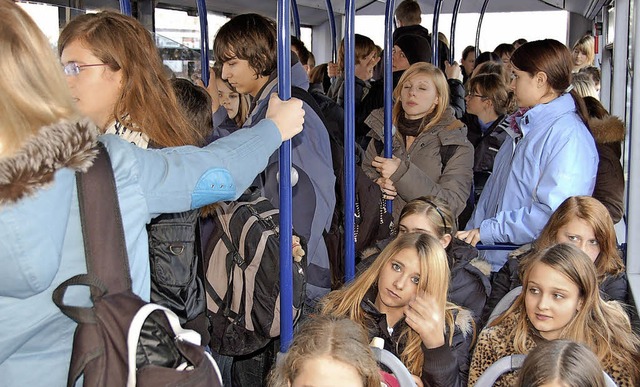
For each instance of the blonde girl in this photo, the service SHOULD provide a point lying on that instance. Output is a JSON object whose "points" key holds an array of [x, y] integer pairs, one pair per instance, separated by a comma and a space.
{"points": [[402, 298], [431, 154], [561, 300]]}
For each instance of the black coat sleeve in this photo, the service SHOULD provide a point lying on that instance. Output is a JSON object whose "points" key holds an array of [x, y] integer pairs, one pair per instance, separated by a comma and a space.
{"points": [[448, 366], [456, 97], [503, 281], [614, 288]]}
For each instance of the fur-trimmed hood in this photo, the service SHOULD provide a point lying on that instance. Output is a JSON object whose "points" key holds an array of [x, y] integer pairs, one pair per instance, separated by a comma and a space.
{"points": [[66, 144], [607, 130]]}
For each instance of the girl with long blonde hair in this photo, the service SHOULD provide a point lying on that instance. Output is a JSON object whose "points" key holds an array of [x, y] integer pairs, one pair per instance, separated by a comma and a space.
{"points": [[402, 298], [431, 154], [560, 299]]}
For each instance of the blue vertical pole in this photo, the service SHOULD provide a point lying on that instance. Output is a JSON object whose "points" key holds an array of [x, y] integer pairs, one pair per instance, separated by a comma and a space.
{"points": [[435, 60], [388, 85], [452, 38], [296, 18], [332, 27], [286, 265], [204, 41], [482, 11], [349, 140], [125, 7]]}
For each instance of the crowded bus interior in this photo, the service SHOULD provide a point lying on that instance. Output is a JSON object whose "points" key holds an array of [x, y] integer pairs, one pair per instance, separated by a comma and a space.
{"points": [[320, 193]]}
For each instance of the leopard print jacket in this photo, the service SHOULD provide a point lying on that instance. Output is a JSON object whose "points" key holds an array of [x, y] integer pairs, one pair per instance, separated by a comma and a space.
{"points": [[497, 342]]}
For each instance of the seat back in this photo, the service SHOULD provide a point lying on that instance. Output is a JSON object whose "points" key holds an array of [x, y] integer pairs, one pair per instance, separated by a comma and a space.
{"points": [[504, 303], [394, 364]]}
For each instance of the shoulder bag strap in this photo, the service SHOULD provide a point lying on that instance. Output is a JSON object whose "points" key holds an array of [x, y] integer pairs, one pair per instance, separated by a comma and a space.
{"points": [[104, 243]]}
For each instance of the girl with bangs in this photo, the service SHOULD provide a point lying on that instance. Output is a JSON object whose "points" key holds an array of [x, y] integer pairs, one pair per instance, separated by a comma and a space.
{"points": [[402, 298], [561, 300], [431, 154], [117, 80]]}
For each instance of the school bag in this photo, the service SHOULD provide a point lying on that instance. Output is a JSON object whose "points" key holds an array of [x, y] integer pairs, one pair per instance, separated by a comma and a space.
{"points": [[123, 340], [372, 222], [242, 280]]}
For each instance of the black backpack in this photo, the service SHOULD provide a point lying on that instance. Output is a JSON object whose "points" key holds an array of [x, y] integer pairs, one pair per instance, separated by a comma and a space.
{"points": [[123, 340], [242, 279], [372, 221]]}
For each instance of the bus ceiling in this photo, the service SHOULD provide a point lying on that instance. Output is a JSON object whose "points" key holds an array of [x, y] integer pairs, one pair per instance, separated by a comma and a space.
{"points": [[313, 12]]}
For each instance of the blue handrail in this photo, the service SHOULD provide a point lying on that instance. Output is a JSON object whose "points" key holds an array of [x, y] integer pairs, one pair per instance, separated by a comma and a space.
{"points": [[125, 7], [497, 247], [204, 41], [452, 38], [286, 264], [332, 27], [388, 85], [435, 57], [349, 140], [296, 18], [482, 11]]}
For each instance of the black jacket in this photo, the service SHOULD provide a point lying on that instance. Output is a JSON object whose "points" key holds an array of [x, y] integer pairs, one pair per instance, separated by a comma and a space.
{"points": [[486, 144], [469, 286], [445, 366]]}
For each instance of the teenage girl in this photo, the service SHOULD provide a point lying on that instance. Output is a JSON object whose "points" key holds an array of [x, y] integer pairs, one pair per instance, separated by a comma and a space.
{"points": [[431, 153], [561, 300], [584, 222], [402, 298]]}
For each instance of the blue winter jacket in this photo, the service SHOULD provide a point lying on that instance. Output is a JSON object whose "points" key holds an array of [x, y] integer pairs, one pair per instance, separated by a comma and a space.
{"points": [[41, 244], [555, 158]]}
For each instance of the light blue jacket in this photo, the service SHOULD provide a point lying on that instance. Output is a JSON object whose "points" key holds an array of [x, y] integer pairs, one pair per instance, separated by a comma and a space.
{"points": [[556, 158], [41, 244]]}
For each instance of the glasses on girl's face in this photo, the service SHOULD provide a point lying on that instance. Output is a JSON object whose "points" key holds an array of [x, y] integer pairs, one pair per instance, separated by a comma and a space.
{"points": [[72, 69], [471, 94]]}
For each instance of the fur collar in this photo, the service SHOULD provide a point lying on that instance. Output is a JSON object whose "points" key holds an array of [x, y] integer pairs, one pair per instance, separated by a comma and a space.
{"points": [[66, 144], [607, 130]]}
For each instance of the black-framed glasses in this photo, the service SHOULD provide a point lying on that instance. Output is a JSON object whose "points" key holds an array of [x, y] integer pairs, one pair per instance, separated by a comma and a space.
{"points": [[472, 94], [72, 69]]}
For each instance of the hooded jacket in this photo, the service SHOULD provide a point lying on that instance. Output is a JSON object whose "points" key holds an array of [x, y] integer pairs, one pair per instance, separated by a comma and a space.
{"points": [[421, 171], [609, 189], [554, 158], [445, 366], [42, 238], [314, 197]]}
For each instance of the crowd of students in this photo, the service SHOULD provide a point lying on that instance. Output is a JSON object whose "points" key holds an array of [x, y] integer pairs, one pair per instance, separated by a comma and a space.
{"points": [[525, 129]]}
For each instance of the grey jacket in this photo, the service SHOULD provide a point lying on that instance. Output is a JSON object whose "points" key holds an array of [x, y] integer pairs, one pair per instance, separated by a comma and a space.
{"points": [[421, 171]]}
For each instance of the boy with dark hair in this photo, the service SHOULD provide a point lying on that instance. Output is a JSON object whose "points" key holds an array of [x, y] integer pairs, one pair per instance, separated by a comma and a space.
{"points": [[408, 13], [246, 47]]}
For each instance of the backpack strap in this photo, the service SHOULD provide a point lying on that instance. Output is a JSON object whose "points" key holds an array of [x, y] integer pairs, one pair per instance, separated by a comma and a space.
{"points": [[102, 232], [446, 153], [304, 96], [103, 236]]}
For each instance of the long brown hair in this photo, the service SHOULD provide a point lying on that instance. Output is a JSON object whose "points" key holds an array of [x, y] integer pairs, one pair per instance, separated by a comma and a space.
{"points": [[554, 59], [596, 215], [147, 101], [338, 338], [603, 326], [345, 302]]}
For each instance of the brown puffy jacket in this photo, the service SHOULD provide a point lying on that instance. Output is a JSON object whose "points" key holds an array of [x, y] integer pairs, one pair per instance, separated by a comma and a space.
{"points": [[609, 189]]}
